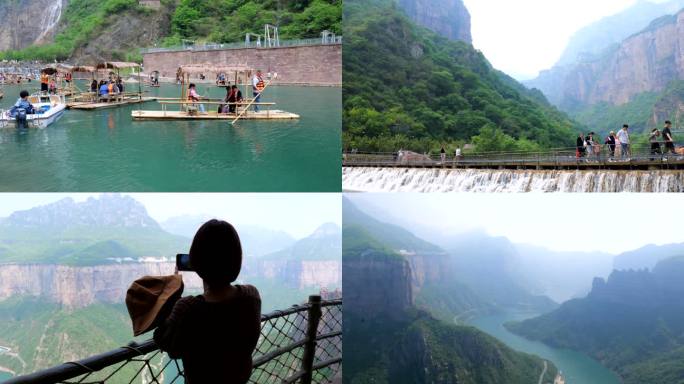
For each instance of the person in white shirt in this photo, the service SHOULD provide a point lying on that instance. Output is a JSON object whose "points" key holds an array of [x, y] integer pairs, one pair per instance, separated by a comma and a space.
{"points": [[258, 86], [623, 136]]}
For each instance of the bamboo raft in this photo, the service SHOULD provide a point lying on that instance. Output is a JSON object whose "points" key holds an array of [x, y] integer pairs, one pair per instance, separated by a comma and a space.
{"points": [[92, 105], [188, 110], [271, 114]]}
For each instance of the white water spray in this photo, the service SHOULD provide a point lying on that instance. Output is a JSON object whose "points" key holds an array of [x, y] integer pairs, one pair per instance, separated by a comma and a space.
{"points": [[475, 180]]}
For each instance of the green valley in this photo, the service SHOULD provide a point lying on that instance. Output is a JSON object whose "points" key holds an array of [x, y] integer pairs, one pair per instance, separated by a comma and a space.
{"points": [[410, 345]]}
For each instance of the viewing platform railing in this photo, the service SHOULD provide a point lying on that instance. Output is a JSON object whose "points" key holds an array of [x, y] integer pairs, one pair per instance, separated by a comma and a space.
{"points": [[241, 45], [557, 158], [302, 344]]}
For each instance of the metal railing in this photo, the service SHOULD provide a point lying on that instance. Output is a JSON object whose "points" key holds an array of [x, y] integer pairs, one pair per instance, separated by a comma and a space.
{"points": [[241, 45], [557, 157], [301, 344]]}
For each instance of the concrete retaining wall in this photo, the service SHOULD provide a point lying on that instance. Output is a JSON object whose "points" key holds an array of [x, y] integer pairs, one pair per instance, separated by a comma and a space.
{"points": [[308, 65]]}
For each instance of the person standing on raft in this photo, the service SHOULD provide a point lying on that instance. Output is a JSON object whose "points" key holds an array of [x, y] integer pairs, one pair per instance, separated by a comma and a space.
{"points": [[258, 86]]}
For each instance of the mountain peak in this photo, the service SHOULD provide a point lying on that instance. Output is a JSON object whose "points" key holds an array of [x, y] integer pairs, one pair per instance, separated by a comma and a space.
{"points": [[327, 229], [107, 210]]}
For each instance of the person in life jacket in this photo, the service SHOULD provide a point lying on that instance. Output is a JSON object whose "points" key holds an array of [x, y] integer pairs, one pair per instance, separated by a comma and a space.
{"points": [[258, 86], [67, 77], [44, 81]]}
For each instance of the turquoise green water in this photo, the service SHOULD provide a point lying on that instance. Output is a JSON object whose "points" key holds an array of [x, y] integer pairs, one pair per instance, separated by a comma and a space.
{"points": [[105, 150], [577, 368], [4, 376]]}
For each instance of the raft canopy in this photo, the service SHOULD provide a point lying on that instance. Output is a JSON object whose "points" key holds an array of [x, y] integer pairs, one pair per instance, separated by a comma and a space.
{"points": [[74, 68], [117, 65], [51, 70]]}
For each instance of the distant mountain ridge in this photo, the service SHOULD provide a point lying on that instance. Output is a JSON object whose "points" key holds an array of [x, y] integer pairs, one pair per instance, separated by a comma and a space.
{"points": [[633, 322], [592, 39], [109, 210], [632, 74], [647, 257]]}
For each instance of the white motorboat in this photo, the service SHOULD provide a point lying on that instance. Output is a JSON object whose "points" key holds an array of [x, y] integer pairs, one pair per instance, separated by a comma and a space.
{"points": [[48, 108]]}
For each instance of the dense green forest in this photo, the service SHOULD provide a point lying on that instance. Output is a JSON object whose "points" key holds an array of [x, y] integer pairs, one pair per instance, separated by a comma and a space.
{"points": [[406, 87], [219, 21], [633, 323], [229, 20]]}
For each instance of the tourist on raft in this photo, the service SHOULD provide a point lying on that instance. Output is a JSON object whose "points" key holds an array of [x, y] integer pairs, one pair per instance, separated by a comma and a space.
{"points": [[44, 81], [214, 333], [258, 86], [194, 96]]}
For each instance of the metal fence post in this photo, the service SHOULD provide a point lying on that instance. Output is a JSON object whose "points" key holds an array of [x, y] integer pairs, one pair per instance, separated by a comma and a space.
{"points": [[311, 332]]}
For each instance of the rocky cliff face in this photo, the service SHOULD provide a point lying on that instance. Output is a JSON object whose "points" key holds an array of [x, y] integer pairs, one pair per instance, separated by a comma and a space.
{"points": [[644, 62], [78, 287], [379, 285], [300, 274], [25, 22], [449, 18]]}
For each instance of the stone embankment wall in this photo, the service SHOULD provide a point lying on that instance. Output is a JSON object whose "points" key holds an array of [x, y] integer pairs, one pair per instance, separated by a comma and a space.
{"points": [[318, 65]]}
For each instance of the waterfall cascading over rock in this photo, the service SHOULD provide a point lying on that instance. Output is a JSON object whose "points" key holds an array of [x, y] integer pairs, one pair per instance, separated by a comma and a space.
{"points": [[50, 20], [369, 179]]}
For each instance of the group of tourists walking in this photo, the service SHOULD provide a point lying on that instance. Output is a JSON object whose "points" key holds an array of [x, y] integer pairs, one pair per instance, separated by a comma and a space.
{"points": [[620, 145]]}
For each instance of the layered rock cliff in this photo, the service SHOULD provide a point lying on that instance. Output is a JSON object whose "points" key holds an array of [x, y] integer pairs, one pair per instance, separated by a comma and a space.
{"points": [[449, 18], [647, 61], [25, 22], [378, 284], [78, 287], [299, 274]]}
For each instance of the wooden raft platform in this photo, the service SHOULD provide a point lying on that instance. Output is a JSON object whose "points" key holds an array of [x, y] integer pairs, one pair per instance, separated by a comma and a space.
{"points": [[86, 105], [213, 115]]}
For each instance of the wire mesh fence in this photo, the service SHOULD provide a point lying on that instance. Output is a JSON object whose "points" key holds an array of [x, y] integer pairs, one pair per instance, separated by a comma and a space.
{"points": [[287, 338]]}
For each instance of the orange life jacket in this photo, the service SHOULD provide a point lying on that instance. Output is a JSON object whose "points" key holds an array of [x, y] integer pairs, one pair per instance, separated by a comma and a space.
{"points": [[44, 78], [110, 88], [260, 84], [68, 76]]}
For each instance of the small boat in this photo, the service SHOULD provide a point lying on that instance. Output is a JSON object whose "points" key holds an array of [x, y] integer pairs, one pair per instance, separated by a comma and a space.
{"points": [[48, 108]]}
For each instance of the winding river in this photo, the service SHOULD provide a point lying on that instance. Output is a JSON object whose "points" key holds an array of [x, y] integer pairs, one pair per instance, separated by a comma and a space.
{"points": [[577, 367]]}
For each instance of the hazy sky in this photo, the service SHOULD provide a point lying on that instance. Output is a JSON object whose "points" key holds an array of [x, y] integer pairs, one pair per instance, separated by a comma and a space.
{"points": [[296, 214], [522, 37], [611, 223]]}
